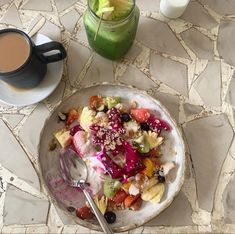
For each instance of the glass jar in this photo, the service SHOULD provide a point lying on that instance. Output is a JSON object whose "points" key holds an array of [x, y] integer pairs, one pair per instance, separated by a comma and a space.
{"points": [[114, 38]]}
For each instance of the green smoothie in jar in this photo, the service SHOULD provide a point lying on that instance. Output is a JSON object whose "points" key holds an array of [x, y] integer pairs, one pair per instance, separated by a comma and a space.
{"points": [[111, 26]]}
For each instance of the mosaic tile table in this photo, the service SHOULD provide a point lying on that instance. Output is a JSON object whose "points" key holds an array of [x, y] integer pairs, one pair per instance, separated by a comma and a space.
{"points": [[187, 63]]}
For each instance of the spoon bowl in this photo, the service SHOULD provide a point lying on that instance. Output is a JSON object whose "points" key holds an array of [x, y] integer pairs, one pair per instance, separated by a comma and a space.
{"points": [[74, 172]]}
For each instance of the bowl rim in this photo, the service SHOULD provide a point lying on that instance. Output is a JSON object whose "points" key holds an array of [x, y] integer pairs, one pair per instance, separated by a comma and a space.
{"points": [[131, 225]]}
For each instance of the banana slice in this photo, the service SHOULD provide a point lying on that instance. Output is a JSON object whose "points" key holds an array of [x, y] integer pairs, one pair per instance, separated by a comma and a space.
{"points": [[153, 181], [160, 188], [151, 193]]}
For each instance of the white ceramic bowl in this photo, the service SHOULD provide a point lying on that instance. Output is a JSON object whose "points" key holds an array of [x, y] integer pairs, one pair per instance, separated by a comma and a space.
{"points": [[64, 196]]}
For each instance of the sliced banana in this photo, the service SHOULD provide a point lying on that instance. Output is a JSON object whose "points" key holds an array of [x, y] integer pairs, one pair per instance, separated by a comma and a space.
{"points": [[151, 193], [160, 188], [153, 181]]}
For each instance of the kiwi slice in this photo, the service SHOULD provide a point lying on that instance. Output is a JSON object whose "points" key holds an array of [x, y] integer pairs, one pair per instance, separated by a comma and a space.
{"points": [[110, 186]]}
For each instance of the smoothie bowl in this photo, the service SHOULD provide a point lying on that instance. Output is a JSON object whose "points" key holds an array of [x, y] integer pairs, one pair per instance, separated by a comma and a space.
{"points": [[133, 150]]}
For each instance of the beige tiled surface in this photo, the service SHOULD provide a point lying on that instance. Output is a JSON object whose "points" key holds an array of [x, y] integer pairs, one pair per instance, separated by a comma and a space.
{"points": [[188, 64]]}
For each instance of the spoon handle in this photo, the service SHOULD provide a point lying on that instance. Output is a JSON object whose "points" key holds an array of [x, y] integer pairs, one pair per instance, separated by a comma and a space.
{"points": [[104, 225]]}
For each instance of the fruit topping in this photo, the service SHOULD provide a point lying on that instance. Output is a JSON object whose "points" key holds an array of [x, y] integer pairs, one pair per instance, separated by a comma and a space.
{"points": [[137, 204], [157, 125], [125, 117], [115, 121], [83, 144], [133, 190], [84, 213], [133, 162], [110, 186], [142, 145], [110, 217], [86, 118], [96, 103], [70, 209], [144, 126], [153, 139], [119, 197], [141, 115], [149, 167], [63, 137], [72, 116], [75, 129], [112, 101], [102, 203], [129, 200]]}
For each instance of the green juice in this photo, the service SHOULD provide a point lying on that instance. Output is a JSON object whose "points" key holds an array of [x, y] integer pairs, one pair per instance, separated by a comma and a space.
{"points": [[114, 38]]}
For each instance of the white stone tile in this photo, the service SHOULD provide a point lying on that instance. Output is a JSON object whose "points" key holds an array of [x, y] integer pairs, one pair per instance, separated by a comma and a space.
{"points": [[148, 5], [30, 131], [12, 17], [63, 4], [37, 230], [70, 19], [157, 35], [32, 210], [190, 109], [171, 102], [134, 51], [230, 97], [14, 158], [57, 95], [229, 201], [13, 119], [226, 46], [201, 45], [78, 56], [177, 214], [197, 15], [51, 30], [209, 140], [81, 34], [44, 5], [13, 230], [173, 74], [3, 2], [101, 70], [135, 77], [225, 7], [208, 84]]}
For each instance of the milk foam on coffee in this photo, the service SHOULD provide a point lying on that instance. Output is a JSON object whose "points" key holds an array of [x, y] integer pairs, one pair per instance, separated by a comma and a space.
{"points": [[14, 51]]}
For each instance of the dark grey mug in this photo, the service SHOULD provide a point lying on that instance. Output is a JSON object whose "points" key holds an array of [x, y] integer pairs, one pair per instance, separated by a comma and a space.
{"points": [[33, 70]]}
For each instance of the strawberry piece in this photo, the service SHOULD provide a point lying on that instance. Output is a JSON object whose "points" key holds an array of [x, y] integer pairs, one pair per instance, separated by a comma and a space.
{"points": [[84, 213], [137, 204], [119, 197], [129, 200], [72, 116], [140, 115]]}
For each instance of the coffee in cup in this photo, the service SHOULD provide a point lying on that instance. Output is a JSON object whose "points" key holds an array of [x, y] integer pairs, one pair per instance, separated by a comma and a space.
{"points": [[22, 63]]}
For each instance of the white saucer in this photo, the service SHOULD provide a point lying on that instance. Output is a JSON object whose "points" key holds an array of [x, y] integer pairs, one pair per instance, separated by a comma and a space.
{"points": [[20, 97]]}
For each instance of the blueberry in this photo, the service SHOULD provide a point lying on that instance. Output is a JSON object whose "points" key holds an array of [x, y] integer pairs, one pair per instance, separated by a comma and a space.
{"points": [[110, 217], [125, 117], [71, 209], [161, 179], [144, 126], [105, 110]]}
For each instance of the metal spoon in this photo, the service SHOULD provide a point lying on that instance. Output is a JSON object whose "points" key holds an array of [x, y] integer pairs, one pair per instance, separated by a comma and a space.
{"points": [[74, 171]]}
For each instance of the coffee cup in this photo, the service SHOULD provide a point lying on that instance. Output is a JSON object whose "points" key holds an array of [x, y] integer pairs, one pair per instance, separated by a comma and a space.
{"points": [[22, 63]]}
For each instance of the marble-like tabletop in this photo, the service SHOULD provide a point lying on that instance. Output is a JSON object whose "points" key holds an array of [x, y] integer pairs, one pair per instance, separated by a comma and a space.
{"points": [[188, 64]]}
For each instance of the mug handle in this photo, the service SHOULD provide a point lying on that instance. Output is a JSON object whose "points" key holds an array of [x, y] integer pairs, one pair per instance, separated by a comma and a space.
{"points": [[50, 46]]}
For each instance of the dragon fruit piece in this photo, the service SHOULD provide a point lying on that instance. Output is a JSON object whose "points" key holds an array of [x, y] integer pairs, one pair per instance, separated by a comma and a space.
{"points": [[157, 124], [133, 162], [83, 144], [75, 129], [111, 167], [106, 138], [115, 121]]}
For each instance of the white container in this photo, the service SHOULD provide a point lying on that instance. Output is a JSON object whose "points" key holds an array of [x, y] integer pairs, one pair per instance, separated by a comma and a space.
{"points": [[173, 8]]}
